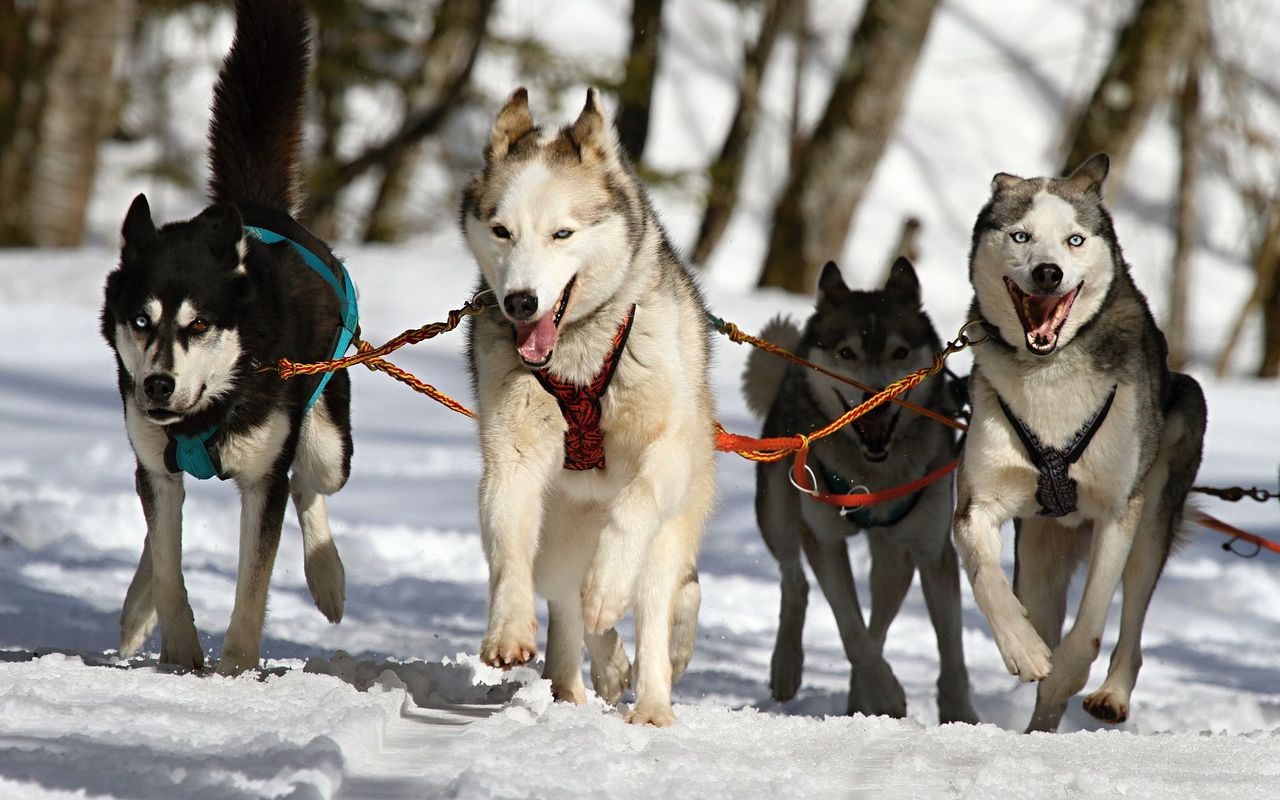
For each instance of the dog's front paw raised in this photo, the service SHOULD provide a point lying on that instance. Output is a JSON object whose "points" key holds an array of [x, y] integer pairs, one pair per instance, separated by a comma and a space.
{"points": [[656, 714], [605, 599], [1025, 654], [509, 644]]}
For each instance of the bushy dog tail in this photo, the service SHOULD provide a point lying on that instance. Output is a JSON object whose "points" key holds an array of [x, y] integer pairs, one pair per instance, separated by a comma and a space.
{"points": [[762, 378], [256, 131]]}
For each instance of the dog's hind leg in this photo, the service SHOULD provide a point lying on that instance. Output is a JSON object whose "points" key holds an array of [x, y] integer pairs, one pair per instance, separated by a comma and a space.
{"points": [[138, 617], [162, 496], [564, 650], [610, 669], [873, 689], [1046, 556], [778, 515], [262, 506], [684, 626], [326, 577]]}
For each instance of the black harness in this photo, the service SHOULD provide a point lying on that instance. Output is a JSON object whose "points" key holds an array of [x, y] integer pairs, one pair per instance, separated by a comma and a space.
{"points": [[1056, 491]]}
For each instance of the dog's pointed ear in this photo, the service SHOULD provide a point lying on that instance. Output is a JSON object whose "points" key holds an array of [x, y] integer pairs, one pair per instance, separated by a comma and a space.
{"points": [[139, 231], [831, 285], [1003, 181], [512, 122], [592, 132], [902, 282], [1088, 177], [223, 232]]}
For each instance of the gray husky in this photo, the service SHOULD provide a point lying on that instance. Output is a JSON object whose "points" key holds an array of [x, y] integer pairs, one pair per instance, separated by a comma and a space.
{"points": [[874, 338], [1080, 433], [596, 421]]}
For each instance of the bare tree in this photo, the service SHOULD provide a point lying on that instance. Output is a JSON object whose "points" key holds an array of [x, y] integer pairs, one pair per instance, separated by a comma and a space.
{"points": [[1189, 127], [725, 173], [58, 99], [813, 216], [449, 55], [1137, 80], [1266, 265], [636, 91]]}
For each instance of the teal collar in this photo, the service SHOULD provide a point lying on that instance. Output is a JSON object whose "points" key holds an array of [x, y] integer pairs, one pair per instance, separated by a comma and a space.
{"points": [[197, 454], [861, 516]]}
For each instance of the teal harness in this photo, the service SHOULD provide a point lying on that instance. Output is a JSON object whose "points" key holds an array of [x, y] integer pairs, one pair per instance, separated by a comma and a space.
{"points": [[861, 515], [193, 454]]}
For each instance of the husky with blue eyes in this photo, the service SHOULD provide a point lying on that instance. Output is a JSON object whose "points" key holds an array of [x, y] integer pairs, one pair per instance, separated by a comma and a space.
{"points": [[193, 312], [1081, 435]]}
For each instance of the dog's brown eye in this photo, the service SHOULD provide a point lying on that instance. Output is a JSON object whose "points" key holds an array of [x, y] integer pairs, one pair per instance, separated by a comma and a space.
{"points": [[847, 354], [198, 326], [901, 353]]}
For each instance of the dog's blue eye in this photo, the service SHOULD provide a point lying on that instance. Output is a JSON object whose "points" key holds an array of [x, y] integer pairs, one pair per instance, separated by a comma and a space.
{"points": [[1021, 237], [847, 354], [563, 233], [501, 232], [1075, 240], [142, 322]]}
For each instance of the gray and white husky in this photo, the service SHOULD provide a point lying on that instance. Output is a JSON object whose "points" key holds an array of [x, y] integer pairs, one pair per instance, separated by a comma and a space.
{"points": [[1080, 433], [596, 421], [874, 338], [192, 311]]}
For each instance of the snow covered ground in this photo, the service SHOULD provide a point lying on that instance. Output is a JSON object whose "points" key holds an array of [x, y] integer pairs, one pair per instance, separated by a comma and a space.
{"points": [[392, 703]]}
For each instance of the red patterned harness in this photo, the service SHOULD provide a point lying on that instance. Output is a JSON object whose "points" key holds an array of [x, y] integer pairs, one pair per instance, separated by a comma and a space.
{"points": [[580, 405]]}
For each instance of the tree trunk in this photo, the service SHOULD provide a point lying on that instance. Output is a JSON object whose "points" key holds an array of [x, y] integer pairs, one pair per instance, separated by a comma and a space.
{"points": [[450, 54], [1266, 264], [1270, 366], [813, 216], [59, 92], [725, 173], [636, 91], [799, 10], [1175, 328], [1156, 39]]}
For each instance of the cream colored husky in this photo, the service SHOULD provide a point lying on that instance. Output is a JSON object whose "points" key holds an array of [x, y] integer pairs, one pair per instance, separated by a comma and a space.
{"points": [[596, 421]]}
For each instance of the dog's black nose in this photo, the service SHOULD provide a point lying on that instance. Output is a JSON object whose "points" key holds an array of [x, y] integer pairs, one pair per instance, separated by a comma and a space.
{"points": [[1047, 276], [520, 305], [158, 387]]}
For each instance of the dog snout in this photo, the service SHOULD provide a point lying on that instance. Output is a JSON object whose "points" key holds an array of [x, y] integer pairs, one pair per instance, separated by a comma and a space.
{"points": [[520, 306], [159, 388], [1047, 276]]}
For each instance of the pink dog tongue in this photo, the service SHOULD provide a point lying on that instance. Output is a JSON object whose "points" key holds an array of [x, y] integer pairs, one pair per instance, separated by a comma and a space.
{"points": [[1040, 310], [535, 341]]}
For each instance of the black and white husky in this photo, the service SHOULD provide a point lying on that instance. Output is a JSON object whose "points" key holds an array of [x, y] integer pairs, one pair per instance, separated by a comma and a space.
{"points": [[192, 312], [1080, 433], [872, 337]]}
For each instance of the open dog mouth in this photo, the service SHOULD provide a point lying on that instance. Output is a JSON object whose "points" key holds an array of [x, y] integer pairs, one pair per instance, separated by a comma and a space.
{"points": [[1042, 315], [535, 341], [168, 416], [874, 428]]}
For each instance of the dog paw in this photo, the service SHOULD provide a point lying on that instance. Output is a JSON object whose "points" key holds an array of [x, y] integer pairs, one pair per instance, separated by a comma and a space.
{"points": [[181, 649], [236, 662], [135, 628], [878, 693], [327, 582], [605, 599], [611, 678], [656, 714], [575, 694], [952, 709], [1108, 706], [510, 644], [1025, 654], [785, 671]]}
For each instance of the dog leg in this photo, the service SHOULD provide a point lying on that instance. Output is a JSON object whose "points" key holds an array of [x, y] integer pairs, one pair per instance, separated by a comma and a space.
{"points": [[1047, 555], [563, 666], [262, 507], [873, 688], [977, 538], [669, 564], [778, 515], [138, 617], [1112, 541], [940, 582], [891, 572], [326, 578], [162, 496], [684, 627], [610, 669]]}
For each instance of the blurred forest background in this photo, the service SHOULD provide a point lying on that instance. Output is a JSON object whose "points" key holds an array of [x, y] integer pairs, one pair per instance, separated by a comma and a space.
{"points": [[397, 117]]}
